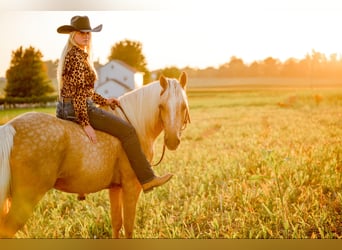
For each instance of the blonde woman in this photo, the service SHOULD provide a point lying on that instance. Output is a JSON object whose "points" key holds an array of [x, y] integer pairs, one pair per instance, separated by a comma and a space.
{"points": [[76, 77]]}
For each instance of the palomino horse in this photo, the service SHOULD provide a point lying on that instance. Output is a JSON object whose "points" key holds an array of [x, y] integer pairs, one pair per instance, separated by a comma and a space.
{"points": [[39, 152]]}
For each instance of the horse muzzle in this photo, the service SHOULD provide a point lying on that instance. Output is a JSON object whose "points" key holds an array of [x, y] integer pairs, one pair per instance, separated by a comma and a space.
{"points": [[172, 142]]}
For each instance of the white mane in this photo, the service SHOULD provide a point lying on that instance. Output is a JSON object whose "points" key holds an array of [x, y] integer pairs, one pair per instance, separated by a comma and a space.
{"points": [[141, 103], [141, 106]]}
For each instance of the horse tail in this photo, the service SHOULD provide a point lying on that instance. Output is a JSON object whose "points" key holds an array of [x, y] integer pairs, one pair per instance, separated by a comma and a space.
{"points": [[7, 133]]}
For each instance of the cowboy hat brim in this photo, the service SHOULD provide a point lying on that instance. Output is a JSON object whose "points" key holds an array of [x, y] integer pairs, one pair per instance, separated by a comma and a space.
{"points": [[66, 29]]}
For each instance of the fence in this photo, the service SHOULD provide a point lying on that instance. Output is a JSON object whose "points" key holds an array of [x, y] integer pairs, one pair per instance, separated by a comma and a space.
{"points": [[24, 102]]}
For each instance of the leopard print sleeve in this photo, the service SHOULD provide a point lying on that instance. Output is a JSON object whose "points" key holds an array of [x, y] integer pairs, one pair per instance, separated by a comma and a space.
{"points": [[99, 99]]}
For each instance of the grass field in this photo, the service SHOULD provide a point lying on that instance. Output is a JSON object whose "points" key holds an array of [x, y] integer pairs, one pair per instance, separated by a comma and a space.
{"points": [[252, 164]]}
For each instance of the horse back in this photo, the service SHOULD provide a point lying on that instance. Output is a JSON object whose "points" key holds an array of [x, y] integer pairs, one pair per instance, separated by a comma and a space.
{"points": [[60, 151]]}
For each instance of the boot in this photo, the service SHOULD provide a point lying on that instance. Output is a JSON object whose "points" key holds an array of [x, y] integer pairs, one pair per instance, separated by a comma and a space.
{"points": [[155, 182]]}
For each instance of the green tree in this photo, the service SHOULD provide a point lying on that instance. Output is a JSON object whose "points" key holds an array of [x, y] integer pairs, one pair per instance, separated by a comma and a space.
{"points": [[27, 75], [130, 52]]}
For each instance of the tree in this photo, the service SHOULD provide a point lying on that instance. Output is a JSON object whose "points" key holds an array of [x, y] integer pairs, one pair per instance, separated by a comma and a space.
{"points": [[290, 68], [130, 52], [27, 75], [171, 72], [236, 67], [254, 70], [270, 67]]}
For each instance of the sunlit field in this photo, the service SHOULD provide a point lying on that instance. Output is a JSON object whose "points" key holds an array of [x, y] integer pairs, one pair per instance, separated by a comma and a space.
{"points": [[252, 164]]}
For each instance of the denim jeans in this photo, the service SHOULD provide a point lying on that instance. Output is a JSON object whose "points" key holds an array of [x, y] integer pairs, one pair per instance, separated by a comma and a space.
{"points": [[104, 121]]}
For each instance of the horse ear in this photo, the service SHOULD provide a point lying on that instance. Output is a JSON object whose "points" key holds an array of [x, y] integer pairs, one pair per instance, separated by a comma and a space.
{"points": [[183, 79], [163, 82]]}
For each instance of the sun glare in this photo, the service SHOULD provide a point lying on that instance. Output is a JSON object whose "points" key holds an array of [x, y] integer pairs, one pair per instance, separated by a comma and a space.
{"points": [[195, 33]]}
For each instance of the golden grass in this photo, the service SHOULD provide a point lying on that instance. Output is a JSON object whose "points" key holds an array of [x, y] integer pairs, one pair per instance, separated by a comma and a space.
{"points": [[247, 167]]}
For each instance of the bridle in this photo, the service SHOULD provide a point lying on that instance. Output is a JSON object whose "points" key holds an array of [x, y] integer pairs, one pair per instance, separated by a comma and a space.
{"points": [[186, 121], [187, 118]]}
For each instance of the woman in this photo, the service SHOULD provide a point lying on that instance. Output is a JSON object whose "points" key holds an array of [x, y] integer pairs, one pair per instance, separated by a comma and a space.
{"points": [[76, 77]]}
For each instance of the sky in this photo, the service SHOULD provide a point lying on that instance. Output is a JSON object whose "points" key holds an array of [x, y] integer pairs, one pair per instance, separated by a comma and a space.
{"points": [[194, 33]]}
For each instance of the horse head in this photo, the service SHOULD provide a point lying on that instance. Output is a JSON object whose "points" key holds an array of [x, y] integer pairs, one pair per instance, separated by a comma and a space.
{"points": [[174, 109]]}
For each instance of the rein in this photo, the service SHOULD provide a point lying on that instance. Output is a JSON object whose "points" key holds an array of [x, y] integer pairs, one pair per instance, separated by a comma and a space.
{"points": [[186, 121], [124, 113], [161, 158]]}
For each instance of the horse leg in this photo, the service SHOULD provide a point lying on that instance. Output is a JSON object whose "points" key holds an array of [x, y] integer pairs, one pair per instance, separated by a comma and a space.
{"points": [[26, 192], [20, 210], [130, 198], [4, 212], [115, 196], [6, 207]]}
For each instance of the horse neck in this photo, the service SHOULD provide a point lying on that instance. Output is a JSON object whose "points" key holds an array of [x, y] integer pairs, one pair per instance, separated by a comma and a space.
{"points": [[142, 108]]}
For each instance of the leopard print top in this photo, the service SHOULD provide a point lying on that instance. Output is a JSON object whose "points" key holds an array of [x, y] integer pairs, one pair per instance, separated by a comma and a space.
{"points": [[78, 83]]}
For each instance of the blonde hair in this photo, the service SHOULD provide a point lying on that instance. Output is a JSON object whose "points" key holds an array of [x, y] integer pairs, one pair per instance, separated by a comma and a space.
{"points": [[70, 43]]}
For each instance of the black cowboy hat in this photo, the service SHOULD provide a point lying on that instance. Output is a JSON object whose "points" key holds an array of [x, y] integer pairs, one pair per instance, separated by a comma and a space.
{"points": [[78, 23]]}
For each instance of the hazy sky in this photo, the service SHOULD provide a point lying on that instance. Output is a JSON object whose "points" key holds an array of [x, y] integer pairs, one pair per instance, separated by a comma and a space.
{"points": [[195, 33]]}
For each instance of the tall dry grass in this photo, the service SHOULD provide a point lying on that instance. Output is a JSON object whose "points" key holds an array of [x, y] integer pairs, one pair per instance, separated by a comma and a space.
{"points": [[247, 167]]}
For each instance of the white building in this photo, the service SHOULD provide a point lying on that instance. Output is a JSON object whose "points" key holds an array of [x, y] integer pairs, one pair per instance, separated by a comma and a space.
{"points": [[116, 78]]}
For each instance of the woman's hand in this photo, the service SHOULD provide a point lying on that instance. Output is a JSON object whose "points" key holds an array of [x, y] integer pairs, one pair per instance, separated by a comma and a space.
{"points": [[90, 133], [113, 102]]}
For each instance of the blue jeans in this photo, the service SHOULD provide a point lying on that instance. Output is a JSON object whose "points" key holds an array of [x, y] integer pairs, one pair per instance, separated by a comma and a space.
{"points": [[107, 122]]}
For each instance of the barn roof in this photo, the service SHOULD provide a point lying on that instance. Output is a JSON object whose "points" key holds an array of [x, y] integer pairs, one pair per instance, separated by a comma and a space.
{"points": [[130, 68]]}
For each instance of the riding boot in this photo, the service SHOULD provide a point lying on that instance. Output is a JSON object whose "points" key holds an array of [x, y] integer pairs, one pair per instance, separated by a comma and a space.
{"points": [[155, 182], [141, 166]]}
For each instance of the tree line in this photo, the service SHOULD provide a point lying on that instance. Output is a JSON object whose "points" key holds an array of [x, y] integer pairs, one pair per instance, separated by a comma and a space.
{"points": [[315, 65], [29, 76]]}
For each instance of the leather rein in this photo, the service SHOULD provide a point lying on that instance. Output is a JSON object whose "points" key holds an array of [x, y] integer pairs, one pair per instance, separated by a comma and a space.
{"points": [[186, 121]]}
